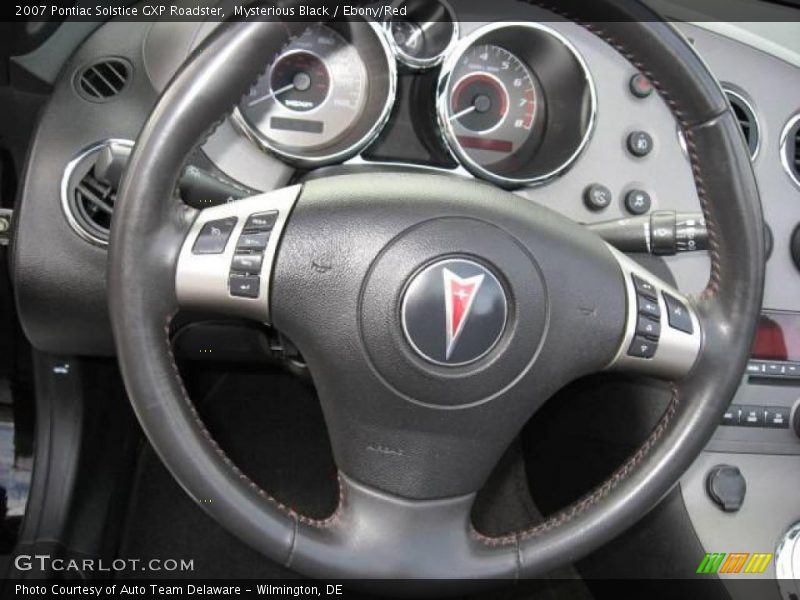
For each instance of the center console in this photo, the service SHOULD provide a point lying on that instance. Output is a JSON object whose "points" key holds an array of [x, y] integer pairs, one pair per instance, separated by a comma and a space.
{"points": [[761, 417]]}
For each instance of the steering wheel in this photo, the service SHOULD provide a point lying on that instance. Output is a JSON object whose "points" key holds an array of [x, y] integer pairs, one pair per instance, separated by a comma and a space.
{"points": [[436, 315]]}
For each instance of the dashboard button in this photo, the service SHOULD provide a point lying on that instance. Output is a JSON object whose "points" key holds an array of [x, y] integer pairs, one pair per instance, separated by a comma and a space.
{"points": [[214, 236], [648, 328], [753, 416], [253, 241], [777, 417], [678, 315], [642, 347], [247, 263], [648, 307], [261, 222], [638, 202], [775, 369], [640, 144], [640, 86], [597, 197], [731, 416], [645, 288], [244, 286], [754, 368]]}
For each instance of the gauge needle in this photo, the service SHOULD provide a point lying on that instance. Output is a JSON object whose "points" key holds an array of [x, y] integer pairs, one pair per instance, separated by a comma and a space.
{"points": [[272, 94], [466, 111]]}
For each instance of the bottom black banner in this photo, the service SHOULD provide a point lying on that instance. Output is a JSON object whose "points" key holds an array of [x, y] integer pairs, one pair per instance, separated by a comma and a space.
{"points": [[534, 589]]}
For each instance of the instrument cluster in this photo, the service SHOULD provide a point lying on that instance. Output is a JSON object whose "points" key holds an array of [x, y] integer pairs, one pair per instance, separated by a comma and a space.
{"points": [[512, 103]]}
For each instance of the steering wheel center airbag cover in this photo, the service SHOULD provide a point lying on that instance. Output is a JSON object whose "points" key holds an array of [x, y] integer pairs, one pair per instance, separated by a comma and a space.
{"points": [[480, 347]]}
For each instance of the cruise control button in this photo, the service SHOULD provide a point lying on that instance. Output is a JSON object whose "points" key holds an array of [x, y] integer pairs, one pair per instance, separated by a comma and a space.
{"points": [[244, 286], [261, 222], [214, 236], [247, 263], [648, 307], [642, 347], [753, 416], [777, 417], [648, 328], [253, 241], [645, 288], [678, 315]]}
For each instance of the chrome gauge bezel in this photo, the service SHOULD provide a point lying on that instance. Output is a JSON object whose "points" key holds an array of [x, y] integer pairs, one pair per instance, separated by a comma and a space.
{"points": [[443, 101], [422, 63], [299, 159], [66, 187]]}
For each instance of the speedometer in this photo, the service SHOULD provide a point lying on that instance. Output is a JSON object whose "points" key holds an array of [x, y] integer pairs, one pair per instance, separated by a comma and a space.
{"points": [[515, 103], [493, 103], [324, 96]]}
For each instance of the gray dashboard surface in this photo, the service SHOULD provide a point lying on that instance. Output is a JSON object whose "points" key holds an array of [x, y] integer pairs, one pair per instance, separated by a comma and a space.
{"points": [[773, 87], [768, 459]]}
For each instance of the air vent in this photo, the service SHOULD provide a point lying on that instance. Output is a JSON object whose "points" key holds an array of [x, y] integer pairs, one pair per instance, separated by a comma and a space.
{"points": [[103, 80], [88, 201], [747, 120], [790, 149]]}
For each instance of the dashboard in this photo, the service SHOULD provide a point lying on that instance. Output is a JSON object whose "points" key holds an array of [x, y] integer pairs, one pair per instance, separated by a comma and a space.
{"points": [[520, 103]]}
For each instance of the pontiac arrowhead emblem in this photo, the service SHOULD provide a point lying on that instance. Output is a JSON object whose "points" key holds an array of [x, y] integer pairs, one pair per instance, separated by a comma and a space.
{"points": [[454, 312], [459, 293]]}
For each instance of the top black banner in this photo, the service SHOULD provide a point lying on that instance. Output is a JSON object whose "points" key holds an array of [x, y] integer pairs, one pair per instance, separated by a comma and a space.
{"points": [[26, 11]]}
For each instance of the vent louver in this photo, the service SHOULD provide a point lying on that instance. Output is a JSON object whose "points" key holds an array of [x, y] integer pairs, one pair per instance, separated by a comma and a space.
{"points": [[95, 203], [747, 121], [88, 201], [790, 149], [104, 79]]}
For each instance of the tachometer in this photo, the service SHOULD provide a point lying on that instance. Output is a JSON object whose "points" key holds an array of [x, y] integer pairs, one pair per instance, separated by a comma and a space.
{"points": [[515, 103], [324, 96], [493, 103]]}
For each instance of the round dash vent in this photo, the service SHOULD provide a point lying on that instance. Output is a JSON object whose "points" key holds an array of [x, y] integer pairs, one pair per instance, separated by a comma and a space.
{"points": [[790, 149], [747, 120], [87, 200], [104, 79]]}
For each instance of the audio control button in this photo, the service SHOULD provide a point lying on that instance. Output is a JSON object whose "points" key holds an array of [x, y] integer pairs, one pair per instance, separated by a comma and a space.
{"points": [[678, 314], [648, 307], [642, 347]]}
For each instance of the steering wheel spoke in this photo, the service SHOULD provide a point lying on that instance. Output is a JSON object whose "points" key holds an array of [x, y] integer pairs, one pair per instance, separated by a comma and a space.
{"points": [[226, 261], [398, 538], [663, 334]]}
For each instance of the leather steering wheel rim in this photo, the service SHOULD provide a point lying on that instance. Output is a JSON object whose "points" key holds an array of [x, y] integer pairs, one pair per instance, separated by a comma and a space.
{"points": [[150, 222]]}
